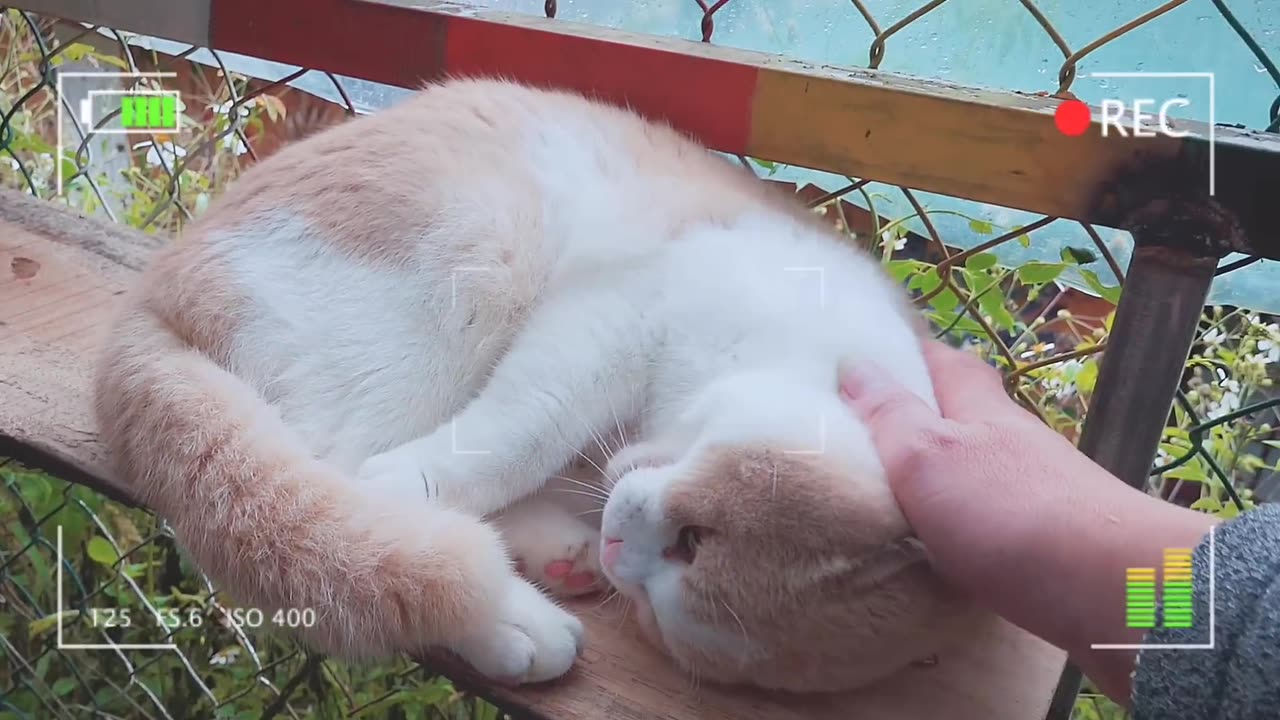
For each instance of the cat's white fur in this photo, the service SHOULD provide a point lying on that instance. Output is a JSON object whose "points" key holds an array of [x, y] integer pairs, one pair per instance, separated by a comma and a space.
{"points": [[414, 320]]}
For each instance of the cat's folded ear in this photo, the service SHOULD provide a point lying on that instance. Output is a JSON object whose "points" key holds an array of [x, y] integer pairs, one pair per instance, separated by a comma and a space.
{"points": [[877, 566]]}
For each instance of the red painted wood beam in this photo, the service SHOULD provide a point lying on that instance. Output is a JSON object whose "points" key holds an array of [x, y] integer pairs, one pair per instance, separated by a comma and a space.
{"points": [[409, 44]]}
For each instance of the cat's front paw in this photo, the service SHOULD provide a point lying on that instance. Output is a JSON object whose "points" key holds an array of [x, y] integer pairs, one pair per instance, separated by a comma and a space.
{"points": [[396, 474], [532, 640], [424, 469]]}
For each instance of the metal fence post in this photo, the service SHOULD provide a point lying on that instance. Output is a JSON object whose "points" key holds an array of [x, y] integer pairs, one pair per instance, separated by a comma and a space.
{"points": [[1155, 324]]}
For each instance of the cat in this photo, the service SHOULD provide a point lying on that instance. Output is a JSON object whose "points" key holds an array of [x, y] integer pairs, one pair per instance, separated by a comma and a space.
{"points": [[407, 323]]}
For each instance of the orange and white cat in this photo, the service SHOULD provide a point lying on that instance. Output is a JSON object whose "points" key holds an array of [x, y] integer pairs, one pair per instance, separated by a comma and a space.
{"points": [[412, 321]]}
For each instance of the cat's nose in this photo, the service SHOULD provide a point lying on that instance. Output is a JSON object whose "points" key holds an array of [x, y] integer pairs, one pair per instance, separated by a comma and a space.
{"points": [[610, 552]]}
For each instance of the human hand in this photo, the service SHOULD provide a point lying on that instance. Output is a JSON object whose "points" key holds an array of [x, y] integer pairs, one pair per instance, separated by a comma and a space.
{"points": [[1012, 514], [982, 479]]}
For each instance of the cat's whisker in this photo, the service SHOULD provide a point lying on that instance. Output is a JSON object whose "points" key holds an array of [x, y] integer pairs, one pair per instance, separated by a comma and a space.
{"points": [[745, 637], [582, 455], [588, 489], [622, 615], [609, 597], [589, 512], [580, 483], [622, 434], [694, 681], [593, 496], [595, 437]]}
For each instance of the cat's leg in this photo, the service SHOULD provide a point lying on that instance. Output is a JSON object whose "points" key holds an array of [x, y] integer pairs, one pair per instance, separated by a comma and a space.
{"points": [[552, 546], [573, 374]]}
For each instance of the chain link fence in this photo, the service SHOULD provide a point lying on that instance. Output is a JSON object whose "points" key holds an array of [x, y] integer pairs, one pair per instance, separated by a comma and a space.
{"points": [[77, 569]]}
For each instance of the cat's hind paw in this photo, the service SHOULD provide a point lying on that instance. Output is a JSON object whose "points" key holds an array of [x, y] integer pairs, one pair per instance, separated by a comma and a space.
{"points": [[569, 570]]}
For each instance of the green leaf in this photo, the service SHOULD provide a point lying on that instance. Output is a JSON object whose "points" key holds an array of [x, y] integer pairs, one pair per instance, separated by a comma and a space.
{"points": [[1038, 273], [77, 51], [68, 169], [30, 142], [1110, 294], [1003, 319], [982, 227], [900, 269], [100, 550], [980, 261], [1210, 503], [1077, 256], [1191, 472], [1228, 511], [64, 686], [111, 60], [991, 303], [1023, 239], [47, 623], [925, 282], [1087, 378], [945, 300]]}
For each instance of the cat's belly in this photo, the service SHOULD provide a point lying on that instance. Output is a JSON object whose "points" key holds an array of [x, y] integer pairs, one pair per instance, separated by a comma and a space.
{"points": [[359, 358]]}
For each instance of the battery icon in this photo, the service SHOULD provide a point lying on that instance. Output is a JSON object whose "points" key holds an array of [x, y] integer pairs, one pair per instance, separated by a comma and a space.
{"points": [[151, 112], [135, 111]]}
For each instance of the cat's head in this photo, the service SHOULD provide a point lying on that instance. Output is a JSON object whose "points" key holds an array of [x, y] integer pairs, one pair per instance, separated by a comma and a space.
{"points": [[760, 544]]}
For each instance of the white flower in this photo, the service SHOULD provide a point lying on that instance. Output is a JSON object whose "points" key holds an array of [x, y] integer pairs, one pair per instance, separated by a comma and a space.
{"points": [[1039, 349], [1230, 401], [1270, 349], [1214, 337], [887, 238], [165, 149], [232, 142], [225, 108]]}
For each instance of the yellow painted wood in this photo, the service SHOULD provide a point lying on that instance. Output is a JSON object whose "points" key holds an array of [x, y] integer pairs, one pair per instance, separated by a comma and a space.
{"points": [[994, 147]]}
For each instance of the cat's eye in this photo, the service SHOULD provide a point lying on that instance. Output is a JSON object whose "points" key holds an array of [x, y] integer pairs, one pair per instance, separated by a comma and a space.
{"points": [[686, 545]]}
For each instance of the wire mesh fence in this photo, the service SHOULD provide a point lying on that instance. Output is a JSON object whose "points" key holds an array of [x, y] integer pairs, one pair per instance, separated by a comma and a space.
{"points": [[76, 569]]}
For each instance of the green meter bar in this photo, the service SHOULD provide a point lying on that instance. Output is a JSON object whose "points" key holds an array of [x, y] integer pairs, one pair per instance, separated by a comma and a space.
{"points": [[149, 112]]}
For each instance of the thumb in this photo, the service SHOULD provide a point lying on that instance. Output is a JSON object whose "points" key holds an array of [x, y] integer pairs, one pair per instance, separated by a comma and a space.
{"points": [[893, 414]]}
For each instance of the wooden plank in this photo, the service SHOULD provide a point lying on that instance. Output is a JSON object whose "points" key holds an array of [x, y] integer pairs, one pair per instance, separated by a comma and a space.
{"points": [[182, 20], [66, 271], [59, 273]]}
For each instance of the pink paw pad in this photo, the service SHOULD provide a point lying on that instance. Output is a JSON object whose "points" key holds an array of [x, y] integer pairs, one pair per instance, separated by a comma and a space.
{"points": [[580, 580], [558, 569]]}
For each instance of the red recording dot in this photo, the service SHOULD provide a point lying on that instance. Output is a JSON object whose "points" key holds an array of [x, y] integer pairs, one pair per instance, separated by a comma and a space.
{"points": [[1072, 118]]}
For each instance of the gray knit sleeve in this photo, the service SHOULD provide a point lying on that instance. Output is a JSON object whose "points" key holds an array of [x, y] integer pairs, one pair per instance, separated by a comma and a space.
{"points": [[1237, 679]]}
